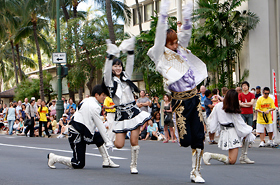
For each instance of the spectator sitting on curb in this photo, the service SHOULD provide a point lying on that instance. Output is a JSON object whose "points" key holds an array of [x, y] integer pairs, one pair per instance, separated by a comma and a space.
{"points": [[152, 131], [62, 126], [52, 124]]}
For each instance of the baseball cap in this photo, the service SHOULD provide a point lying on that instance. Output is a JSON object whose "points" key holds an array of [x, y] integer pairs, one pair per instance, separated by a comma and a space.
{"points": [[258, 87], [64, 115], [33, 98]]}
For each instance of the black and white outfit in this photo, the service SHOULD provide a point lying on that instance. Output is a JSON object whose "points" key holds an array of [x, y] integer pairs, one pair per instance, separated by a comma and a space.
{"points": [[82, 131], [181, 72], [232, 130], [128, 115]]}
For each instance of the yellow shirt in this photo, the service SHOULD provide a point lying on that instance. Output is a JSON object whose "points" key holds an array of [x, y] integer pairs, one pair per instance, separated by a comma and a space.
{"points": [[263, 105], [43, 113], [109, 102]]}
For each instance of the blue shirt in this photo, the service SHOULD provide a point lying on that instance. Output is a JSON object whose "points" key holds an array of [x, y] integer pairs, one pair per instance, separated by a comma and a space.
{"points": [[73, 105], [202, 99], [153, 128], [206, 103]]}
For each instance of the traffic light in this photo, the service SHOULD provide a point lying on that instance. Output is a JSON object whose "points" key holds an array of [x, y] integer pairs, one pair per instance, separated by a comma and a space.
{"points": [[64, 71]]}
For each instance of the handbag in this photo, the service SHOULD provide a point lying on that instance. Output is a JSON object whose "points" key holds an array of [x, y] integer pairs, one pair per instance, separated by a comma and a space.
{"points": [[27, 122], [167, 118], [6, 116]]}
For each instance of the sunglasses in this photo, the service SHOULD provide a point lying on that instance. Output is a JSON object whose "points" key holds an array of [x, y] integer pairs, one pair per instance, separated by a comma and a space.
{"points": [[266, 93]]}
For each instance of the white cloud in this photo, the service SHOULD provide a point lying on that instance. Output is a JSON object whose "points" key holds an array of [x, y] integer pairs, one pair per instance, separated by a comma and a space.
{"points": [[83, 6]]}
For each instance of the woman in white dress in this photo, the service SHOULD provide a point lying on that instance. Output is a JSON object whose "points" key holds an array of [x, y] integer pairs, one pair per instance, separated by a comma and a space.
{"points": [[234, 132], [128, 116]]}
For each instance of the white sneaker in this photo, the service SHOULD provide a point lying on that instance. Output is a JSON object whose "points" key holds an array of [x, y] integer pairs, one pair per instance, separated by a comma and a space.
{"points": [[262, 144]]}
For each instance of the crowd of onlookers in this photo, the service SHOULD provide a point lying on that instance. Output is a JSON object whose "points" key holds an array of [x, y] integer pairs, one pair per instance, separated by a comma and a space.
{"points": [[36, 118]]}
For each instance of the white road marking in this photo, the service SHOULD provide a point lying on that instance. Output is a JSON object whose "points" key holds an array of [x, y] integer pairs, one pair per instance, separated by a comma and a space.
{"points": [[58, 150], [121, 149]]}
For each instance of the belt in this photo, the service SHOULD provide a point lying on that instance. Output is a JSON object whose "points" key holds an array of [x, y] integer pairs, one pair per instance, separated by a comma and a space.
{"points": [[228, 125], [184, 95]]}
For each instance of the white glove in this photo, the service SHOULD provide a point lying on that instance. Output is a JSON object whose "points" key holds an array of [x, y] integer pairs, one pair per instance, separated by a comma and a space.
{"points": [[187, 10], [112, 49], [127, 45], [164, 7]]}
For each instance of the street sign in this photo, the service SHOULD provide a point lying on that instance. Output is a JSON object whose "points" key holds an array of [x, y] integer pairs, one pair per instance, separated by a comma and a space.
{"points": [[59, 58]]}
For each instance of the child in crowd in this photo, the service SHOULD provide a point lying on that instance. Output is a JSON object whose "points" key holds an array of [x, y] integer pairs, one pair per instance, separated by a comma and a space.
{"points": [[20, 128], [52, 124], [215, 97], [16, 126], [152, 131]]}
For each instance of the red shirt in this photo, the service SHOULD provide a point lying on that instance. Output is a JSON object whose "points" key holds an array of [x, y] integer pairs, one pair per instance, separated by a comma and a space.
{"points": [[246, 98]]}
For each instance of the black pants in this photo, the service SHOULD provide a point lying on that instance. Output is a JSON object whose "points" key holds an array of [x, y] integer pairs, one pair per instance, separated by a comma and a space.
{"points": [[45, 126], [30, 127], [189, 122], [79, 136]]}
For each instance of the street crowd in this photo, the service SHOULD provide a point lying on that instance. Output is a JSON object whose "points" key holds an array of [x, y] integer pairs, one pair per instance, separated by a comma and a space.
{"points": [[38, 119]]}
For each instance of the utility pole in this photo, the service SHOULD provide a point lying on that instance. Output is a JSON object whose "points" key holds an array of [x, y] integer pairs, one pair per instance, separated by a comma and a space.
{"points": [[59, 105]]}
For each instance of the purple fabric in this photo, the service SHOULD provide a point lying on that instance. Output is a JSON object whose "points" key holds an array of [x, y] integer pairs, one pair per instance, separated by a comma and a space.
{"points": [[187, 25], [186, 83]]}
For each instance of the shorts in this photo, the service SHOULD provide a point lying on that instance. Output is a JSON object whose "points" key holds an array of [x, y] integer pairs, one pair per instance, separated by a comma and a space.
{"points": [[260, 127]]}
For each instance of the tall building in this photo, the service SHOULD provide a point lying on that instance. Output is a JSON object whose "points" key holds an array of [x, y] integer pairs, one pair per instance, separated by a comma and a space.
{"points": [[261, 50]]}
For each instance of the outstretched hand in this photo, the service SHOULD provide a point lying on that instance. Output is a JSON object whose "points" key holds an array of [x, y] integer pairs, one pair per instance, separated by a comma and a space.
{"points": [[164, 7], [127, 45], [112, 49]]}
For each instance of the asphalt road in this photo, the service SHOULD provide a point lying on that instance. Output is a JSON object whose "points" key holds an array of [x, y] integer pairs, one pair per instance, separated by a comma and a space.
{"points": [[23, 161]]}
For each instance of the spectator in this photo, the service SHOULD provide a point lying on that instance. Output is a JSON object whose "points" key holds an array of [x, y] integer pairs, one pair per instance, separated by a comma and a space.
{"points": [[110, 109], [11, 117], [143, 102], [209, 107], [246, 102], [38, 104], [22, 111], [42, 115], [15, 104], [238, 89], [258, 92], [20, 128], [70, 113], [25, 102], [155, 104], [202, 97], [253, 91], [179, 26], [143, 131], [2, 126], [62, 122], [5, 108], [71, 104], [156, 119], [1, 108], [152, 131], [15, 126], [52, 124], [264, 106], [216, 97], [150, 104], [65, 104], [168, 122], [224, 92], [30, 114], [18, 108], [53, 108]]}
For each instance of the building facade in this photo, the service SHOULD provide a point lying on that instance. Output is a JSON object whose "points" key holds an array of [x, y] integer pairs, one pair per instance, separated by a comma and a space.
{"points": [[261, 51]]}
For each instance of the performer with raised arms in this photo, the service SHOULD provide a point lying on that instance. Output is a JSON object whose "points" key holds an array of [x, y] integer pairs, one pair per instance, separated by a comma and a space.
{"points": [[82, 131], [128, 116], [181, 71]]}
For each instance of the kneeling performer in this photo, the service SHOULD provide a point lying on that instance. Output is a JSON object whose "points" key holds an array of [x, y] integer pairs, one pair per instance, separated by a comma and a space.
{"points": [[226, 119], [82, 131]]}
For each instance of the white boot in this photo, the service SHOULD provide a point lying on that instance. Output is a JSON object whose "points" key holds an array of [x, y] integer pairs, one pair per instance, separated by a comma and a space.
{"points": [[107, 162], [134, 157], [219, 157], [52, 159], [195, 175], [243, 158]]}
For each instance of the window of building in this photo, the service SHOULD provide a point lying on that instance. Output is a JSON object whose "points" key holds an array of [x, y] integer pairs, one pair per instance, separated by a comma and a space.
{"points": [[149, 9], [158, 6], [135, 16]]}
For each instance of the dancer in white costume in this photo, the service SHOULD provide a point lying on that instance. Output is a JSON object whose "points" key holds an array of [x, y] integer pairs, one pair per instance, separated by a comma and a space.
{"points": [[181, 71], [82, 131], [128, 116], [234, 132]]}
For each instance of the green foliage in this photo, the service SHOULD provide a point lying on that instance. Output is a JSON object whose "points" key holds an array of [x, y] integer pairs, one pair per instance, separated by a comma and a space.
{"points": [[219, 36], [31, 87], [143, 63]]}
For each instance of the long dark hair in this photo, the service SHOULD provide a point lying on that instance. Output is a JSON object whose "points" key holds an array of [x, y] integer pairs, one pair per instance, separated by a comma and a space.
{"points": [[231, 103], [117, 61]]}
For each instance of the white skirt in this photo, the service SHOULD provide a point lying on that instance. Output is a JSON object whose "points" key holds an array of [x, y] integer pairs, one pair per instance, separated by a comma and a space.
{"points": [[229, 139]]}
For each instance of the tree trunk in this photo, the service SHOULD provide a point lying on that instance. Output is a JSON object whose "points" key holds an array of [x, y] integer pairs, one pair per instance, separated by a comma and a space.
{"points": [[19, 65], [65, 12], [81, 90], [75, 5], [110, 22], [91, 77], [139, 15], [14, 60], [39, 61]]}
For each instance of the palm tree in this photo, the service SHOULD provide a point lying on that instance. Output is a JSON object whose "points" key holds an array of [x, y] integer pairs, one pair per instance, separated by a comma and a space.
{"points": [[117, 8], [32, 15], [220, 35]]}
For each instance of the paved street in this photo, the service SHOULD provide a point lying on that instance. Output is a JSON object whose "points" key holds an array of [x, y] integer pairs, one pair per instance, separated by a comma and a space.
{"points": [[24, 161]]}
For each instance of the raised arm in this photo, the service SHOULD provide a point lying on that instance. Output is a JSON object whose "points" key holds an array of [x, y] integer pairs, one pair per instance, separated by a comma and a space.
{"points": [[112, 51], [128, 46], [158, 49], [185, 35]]}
